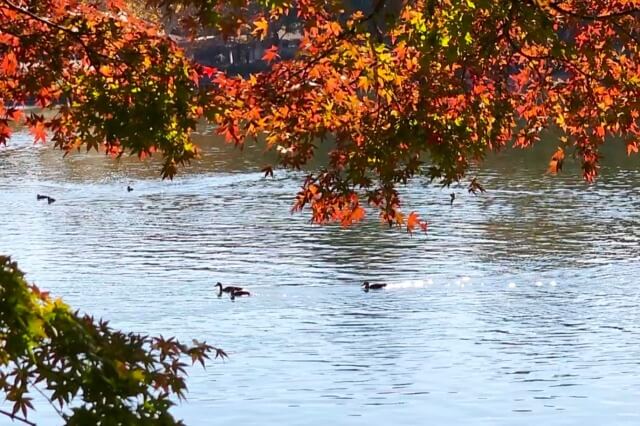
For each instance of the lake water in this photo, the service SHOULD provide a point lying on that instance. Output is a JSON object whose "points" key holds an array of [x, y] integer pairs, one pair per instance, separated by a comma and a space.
{"points": [[519, 307]]}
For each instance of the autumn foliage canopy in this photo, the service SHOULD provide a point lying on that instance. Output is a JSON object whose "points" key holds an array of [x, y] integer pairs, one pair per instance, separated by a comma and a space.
{"points": [[396, 88]]}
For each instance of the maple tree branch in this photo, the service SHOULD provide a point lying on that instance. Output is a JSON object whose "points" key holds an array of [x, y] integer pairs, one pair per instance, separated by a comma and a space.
{"points": [[57, 410], [556, 6], [519, 50], [562, 60], [376, 9], [75, 34], [506, 30], [20, 419], [627, 32], [350, 31], [378, 6], [377, 83], [38, 18]]}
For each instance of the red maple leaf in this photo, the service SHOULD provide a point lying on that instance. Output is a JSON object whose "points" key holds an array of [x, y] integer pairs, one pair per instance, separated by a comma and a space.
{"points": [[271, 54], [9, 64], [5, 132], [414, 220], [209, 71], [555, 165], [39, 131]]}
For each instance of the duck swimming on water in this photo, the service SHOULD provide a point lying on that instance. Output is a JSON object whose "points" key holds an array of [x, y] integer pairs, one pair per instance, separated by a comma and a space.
{"points": [[239, 293], [229, 289], [45, 197], [367, 286]]}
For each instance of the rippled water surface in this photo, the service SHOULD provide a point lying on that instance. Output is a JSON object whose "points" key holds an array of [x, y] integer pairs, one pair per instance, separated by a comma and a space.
{"points": [[520, 306]]}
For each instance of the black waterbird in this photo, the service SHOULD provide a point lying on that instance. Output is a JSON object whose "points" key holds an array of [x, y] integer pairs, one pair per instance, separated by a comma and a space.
{"points": [[239, 293], [368, 286], [45, 197], [229, 289]]}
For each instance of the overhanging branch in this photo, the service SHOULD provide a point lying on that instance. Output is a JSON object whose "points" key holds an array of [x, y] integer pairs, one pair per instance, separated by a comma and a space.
{"points": [[38, 18], [605, 17], [20, 419]]}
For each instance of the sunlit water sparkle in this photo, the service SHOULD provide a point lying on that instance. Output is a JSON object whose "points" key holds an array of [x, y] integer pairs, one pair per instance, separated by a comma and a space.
{"points": [[519, 306]]}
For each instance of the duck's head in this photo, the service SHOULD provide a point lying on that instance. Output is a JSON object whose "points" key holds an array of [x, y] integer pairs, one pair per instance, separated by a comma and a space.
{"points": [[219, 284], [365, 284]]}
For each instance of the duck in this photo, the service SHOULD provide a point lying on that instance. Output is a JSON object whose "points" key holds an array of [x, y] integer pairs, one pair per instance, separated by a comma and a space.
{"points": [[45, 197], [367, 286], [453, 198], [229, 289], [239, 293], [129, 188]]}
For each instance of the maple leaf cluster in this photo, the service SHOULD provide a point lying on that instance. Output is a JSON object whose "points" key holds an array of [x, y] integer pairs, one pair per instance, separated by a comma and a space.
{"points": [[396, 89], [113, 81], [121, 378], [429, 87]]}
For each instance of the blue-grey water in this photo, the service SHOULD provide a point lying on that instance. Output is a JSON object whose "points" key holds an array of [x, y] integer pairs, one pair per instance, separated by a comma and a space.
{"points": [[520, 306]]}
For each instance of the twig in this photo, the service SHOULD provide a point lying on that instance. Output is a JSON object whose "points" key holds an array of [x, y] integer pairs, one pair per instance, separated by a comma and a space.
{"points": [[376, 9], [39, 18], [20, 419], [556, 6], [75, 34], [57, 410], [626, 32]]}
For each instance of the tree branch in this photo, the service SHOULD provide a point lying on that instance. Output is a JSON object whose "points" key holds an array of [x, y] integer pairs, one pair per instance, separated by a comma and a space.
{"points": [[627, 32], [376, 9], [57, 410], [556, 6], [39, 18], [92, 53], [20, 419]]}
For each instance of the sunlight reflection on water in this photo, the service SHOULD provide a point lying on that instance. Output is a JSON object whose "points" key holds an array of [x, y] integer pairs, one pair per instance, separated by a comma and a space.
{"points": [[520, 305]]}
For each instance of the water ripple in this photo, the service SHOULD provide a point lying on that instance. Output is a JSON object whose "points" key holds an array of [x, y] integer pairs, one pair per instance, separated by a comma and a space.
{"points": [[519, 304]]}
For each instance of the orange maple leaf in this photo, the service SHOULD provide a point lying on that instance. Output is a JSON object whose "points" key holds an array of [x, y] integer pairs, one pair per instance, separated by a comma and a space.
{"points": [[357, 214], [262, 28], [335, 28], [348, 216], [39, 131], [9, 64], [209, 71], [271, 54], [16, 114], [412, 221], [105, 70], [5, 133], [555, 165]]}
